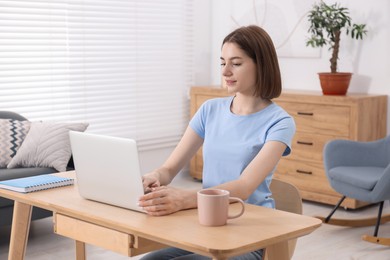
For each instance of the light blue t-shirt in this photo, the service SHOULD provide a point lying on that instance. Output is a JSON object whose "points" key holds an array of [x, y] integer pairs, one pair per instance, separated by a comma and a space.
{"points": [[232, 141]]}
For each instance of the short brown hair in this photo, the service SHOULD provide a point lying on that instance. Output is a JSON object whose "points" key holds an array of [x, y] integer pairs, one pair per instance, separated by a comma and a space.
{"points": [[257, 44]]}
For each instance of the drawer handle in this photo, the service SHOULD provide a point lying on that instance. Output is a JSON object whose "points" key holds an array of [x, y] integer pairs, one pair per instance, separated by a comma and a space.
{"points": [[305, 113], [304, 172], [304, 143]]}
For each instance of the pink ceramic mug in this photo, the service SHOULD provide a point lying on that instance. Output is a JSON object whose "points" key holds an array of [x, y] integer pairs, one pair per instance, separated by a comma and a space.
{"points": [[213, 207]]}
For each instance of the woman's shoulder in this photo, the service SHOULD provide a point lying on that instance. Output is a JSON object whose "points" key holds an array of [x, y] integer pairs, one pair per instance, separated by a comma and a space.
{"points": [[278, 109], [216, 102], [276, 114]]}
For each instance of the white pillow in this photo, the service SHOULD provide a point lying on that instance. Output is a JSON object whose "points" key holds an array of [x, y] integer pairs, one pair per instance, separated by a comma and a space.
{"points": [[46, 145]]}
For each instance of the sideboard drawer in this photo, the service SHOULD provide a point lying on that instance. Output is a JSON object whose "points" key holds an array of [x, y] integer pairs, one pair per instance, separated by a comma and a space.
{"points": [[321, 119], [308, 176], [309, 146]]}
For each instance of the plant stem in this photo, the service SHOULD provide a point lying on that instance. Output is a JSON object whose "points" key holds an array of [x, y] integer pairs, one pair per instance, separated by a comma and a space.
{"points": [[335, 53]]}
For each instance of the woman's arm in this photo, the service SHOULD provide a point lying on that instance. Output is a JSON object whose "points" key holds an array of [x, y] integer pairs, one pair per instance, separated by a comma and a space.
{"points": [[157, 200], [165, 200], [256, 172], [181, 155]]}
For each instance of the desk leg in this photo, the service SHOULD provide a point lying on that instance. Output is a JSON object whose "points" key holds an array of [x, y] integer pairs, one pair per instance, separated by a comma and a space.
{"points": [[278, 251], [80, 250], [19, 233]]}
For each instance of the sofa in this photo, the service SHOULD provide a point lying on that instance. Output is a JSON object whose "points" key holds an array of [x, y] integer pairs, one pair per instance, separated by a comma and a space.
{"points": [[6, 206]]}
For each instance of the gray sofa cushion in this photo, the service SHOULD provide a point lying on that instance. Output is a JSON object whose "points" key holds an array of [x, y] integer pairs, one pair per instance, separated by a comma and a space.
{"points": [[6, 174]]}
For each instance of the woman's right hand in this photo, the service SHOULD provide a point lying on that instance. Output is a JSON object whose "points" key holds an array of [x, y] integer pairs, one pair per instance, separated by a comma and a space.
{"points": [[150, 181]]}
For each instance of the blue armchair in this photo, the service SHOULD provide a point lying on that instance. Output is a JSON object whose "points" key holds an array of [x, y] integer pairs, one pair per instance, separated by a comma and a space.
{"points": [[360, 170]]}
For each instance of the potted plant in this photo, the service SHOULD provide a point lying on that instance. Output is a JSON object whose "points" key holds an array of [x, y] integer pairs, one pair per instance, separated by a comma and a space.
{"points": [[326, 25]]}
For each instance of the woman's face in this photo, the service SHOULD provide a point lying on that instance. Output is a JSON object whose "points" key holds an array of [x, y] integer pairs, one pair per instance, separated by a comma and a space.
{"points": [[238, 70]]}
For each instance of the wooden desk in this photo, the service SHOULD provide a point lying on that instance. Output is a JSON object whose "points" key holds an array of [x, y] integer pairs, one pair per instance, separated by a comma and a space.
{"points": [[131, 233]]}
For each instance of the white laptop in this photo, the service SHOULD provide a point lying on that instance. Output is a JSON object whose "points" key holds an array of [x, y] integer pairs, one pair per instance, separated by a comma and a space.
{"points": [[107, 169]]}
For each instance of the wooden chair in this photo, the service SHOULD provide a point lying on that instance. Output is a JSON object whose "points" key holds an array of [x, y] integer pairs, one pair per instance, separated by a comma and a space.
{"points": [[287, 198]]}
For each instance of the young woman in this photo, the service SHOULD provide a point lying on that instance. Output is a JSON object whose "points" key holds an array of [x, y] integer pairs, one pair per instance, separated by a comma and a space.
{"points": [[243, 136]]}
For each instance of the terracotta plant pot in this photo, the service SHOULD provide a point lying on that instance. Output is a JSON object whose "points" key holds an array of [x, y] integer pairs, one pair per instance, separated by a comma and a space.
{"points": [[335, 83]]}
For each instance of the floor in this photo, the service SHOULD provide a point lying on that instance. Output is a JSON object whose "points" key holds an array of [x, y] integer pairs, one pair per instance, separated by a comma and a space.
{"points": [[326, 243]]}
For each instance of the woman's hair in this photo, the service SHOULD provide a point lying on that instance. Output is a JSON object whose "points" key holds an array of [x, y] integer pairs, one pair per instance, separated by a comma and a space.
{"points": [[257, 44]]}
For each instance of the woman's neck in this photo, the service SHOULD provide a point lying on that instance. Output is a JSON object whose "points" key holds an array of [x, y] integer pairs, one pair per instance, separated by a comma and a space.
{"points": [[246, 105]]}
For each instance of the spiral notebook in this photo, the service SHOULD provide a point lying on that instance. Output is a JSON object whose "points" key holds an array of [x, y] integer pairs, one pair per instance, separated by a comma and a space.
{"points": [[35, 183]]}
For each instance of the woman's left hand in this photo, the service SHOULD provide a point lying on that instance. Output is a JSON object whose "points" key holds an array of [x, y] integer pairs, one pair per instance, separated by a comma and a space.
{"points": [[165, 200]]}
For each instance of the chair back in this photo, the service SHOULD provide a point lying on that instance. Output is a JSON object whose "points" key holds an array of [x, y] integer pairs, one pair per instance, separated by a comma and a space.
{"points": [[287, 198]]}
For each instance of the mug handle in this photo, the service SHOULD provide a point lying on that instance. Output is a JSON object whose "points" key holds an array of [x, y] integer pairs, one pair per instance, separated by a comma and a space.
{"points": [[234, 199]]}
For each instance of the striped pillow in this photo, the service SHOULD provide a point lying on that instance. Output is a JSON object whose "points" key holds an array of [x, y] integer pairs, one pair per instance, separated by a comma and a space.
{"points": [[12, 134]]}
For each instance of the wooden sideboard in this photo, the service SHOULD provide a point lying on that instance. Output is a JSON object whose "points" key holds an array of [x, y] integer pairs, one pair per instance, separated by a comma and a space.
{"points": [[319, 118]]}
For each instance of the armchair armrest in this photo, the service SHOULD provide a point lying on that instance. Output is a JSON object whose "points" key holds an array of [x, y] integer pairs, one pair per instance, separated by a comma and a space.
{"points": [[382, 188]]}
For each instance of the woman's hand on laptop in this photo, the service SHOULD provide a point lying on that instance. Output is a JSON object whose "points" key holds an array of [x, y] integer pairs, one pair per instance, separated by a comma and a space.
{"points": [[166, 200], [150, 182]]}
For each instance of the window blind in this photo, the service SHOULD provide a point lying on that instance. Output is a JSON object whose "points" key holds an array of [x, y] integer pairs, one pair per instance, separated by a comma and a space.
{"points": [[123, 66]]}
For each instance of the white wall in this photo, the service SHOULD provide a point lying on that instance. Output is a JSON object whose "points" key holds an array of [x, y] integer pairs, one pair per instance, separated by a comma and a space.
{"points": [[151, 159], [202, 42], [367, 59]]}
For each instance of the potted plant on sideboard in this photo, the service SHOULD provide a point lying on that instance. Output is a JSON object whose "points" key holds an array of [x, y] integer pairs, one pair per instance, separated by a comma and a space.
{"points": [[326, 25]]}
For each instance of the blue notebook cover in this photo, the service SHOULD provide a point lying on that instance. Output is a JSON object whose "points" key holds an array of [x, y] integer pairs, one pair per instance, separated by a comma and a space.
{"points": [[35, 183]]}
